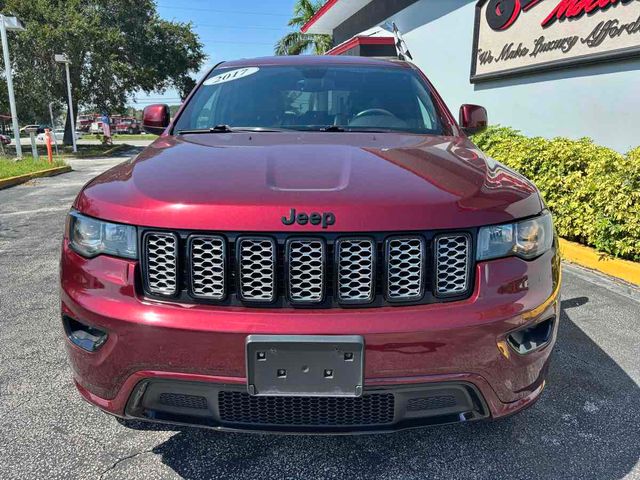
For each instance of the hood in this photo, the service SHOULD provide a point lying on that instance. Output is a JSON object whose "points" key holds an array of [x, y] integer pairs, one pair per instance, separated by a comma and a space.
{"points": [[369, 182]]}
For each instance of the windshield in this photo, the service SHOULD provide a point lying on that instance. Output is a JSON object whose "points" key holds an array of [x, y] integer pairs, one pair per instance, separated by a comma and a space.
{"points": [[313, 98]]}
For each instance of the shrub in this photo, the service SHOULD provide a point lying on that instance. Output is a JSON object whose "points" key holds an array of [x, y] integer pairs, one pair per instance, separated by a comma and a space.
{"points": [[593, 191]]}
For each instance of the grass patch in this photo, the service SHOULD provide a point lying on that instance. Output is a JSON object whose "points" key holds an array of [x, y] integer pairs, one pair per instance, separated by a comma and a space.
{"points": [[87, 151], [10, 168], [125, 137]]}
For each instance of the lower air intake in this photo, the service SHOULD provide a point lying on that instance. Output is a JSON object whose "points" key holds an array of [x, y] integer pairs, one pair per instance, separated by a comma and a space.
{"points": [[242, 408], [431, 403], [183, 401]]}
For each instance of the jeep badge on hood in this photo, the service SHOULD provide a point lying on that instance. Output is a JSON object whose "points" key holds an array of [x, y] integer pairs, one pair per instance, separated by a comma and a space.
{"points": [[325, 219]]}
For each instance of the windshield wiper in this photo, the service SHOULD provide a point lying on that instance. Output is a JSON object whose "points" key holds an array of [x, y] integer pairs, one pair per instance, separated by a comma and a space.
{"points": [[223, 128], [332, 128], [216, 129]]}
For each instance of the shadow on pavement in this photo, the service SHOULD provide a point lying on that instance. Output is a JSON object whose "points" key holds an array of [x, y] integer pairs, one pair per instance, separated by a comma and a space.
{"points": [[584, 426]]}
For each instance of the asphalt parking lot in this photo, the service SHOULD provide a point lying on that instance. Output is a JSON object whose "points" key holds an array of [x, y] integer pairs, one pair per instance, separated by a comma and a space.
{"points": [[587, 424]]}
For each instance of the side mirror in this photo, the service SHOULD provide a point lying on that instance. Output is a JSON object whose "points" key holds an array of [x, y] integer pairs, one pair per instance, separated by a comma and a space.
{"points": [[473, 119], [155, 119]]}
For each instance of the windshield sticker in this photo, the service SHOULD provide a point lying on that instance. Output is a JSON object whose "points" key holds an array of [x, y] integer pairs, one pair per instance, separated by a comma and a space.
{"points": [[231, 76]]}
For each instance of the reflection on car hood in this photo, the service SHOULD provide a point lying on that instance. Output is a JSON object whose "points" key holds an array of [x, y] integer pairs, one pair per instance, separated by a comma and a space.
{"points": [[370, 182]]}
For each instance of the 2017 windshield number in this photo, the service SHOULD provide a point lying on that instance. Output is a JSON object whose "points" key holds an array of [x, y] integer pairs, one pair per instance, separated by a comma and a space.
{"points": [[232, 75]]}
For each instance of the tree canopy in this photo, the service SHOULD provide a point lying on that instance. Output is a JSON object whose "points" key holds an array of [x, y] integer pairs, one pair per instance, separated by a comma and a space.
{"points": [[116, 48], [297, 43]]}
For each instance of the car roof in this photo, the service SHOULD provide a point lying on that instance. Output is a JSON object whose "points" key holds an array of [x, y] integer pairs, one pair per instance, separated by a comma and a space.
{"points": [[315, 60]]}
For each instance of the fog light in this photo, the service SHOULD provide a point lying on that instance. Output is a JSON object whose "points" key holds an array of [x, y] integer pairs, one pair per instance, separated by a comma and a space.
{"points": [[86, 337], [530, 339]]}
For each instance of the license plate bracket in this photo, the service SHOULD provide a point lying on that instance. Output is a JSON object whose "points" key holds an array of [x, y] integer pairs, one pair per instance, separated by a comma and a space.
{"points": [[305, 365]]}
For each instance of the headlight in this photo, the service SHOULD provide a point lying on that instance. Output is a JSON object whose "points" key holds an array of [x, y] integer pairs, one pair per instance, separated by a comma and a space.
{"points": [[526, 239], [91, 237]]}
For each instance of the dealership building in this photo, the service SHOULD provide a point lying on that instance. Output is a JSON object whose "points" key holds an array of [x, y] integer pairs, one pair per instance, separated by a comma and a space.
{"points": [[546, 67]]}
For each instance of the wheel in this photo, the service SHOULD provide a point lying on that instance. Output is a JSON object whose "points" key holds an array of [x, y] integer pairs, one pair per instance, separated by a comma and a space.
{"points": [[130, 131]]}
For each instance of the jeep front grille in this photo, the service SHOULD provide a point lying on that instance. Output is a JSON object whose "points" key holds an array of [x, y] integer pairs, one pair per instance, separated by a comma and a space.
{"points": [[452, 264], [355, 269], [257, 268], [306, 265], [405, 268], [322, 271], [208, 277], [162, 263]]}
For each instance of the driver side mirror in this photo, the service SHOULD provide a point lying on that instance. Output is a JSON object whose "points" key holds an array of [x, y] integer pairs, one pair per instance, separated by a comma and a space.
{"points": [[155, 119], [473, 119]]}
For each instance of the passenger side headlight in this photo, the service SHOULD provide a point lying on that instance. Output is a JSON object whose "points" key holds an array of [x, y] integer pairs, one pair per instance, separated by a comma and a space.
{"points": [[527, 239], [91, 237]]}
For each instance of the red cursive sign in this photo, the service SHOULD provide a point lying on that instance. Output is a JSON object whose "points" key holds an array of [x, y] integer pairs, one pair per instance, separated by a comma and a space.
{"points": [[567, 9], [501, 14]]}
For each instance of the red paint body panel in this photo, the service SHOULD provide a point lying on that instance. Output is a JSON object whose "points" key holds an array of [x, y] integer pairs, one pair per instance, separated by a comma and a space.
{"points": [[403, 345], [246, 182]]}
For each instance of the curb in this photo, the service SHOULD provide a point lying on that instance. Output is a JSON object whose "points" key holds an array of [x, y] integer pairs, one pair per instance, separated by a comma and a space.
{"points": [[590, 258], [13, 181]]}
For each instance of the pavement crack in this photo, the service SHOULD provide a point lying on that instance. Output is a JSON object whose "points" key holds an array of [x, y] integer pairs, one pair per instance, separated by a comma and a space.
{"points": [[596, 366], [122, 459]]}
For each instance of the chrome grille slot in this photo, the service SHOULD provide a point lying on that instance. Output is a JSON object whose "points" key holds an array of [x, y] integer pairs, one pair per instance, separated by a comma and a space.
{"points": [[161, 257], [208, 267], [405, 268], [355, 270], [306, 270], [452, 260], [257, 275]]}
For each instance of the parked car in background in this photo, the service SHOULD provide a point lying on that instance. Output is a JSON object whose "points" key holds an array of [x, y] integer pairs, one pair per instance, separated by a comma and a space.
{"points": [[58, 135], [128, 125], [25, 130]]}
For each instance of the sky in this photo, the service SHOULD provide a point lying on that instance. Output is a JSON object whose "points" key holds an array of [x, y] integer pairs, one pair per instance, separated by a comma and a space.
{"points": [[229, 29]]}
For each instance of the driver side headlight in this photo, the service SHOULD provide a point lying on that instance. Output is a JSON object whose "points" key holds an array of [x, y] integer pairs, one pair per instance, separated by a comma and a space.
{"points": [[91, 237], [527, 239]]}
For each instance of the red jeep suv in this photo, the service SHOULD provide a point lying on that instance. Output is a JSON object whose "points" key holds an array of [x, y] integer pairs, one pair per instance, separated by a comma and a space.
{"points": [[312, 245]]}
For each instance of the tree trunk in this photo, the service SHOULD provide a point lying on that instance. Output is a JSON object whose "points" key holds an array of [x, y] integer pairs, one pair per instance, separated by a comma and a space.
{"points": [[67, 139]]}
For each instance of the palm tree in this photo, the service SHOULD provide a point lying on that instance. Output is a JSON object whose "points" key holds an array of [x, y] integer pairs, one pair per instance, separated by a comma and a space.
{"points": [[297, 43]]}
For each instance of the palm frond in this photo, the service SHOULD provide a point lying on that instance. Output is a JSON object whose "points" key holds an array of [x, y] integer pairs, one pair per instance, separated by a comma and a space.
{"points": [[293, 43], [297, 43], [322, 44]]}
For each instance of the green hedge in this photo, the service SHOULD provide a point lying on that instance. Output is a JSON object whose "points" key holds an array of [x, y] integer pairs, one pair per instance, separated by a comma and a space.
{"points": [[593, 191]]}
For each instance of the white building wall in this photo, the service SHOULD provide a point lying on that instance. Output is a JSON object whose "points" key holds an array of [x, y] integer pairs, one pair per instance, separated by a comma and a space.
{"points": [[600, 101]]}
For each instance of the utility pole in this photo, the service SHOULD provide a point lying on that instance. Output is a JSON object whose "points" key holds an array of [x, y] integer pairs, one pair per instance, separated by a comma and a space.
{"points": [[62, 58], [11, 24]]}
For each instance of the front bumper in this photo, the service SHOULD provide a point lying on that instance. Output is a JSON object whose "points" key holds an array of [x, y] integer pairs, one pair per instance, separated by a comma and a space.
{"points": [[424, 347]]}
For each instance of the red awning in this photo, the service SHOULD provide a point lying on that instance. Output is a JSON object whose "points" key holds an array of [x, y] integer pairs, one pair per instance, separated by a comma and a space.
{"points": [[357, 41]]}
